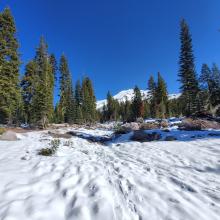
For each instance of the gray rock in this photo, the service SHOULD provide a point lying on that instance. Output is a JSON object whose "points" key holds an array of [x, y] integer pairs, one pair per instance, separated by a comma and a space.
{"points": [[142, 136], [9, 136]]}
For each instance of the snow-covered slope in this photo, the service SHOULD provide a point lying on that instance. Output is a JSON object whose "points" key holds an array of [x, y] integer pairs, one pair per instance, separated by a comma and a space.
{"points": [[129, 94], [124, 180]]}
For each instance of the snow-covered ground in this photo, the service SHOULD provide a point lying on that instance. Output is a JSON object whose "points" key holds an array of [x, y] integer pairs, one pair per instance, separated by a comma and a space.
{"points": [[123, 180]]}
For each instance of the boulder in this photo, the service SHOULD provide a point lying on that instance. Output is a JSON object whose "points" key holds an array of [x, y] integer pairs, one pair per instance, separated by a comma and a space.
{"points": [[170, 138], [190, 124], [122, 130], [9, 136], [142, 136], [149, 126], [133, 126], [126, 128]]}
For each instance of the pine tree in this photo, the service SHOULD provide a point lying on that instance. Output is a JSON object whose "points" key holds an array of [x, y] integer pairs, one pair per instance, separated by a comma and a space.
{"points": [[187, 75], [152, 100], [42, 108], [88, 101], [137, 104], [161, 98], [53, 63], [66, 91], [215, 86], [28, 85], [10, 94], [205, 88], [110, 107], [78, 116]]}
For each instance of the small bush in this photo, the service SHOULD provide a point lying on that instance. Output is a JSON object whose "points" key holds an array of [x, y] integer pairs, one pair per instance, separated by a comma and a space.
{"points": [[49, 151], [2, 130]]}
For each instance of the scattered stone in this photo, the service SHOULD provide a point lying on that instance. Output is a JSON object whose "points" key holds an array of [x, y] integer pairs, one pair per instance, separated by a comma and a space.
{"points": [[170, 138], [9, 136], [57, 135], [141, 136]]}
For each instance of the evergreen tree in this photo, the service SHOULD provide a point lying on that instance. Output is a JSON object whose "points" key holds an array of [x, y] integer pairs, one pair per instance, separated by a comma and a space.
{"points": [[161, 98], [137, 104], [53, 63], [88, 101], [78, 116], [66, 92], [10, 94], [152, 100], [28, 85], [42, 108], [126, 111], [215, 86], [110, 107], [187, 75]]}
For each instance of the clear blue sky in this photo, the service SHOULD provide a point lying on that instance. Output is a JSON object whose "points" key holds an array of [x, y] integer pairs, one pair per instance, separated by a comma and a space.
{"points": [[118, 43]]}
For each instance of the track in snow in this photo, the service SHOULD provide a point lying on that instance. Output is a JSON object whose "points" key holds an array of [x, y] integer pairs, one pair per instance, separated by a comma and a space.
{"points": [[125, 180]]}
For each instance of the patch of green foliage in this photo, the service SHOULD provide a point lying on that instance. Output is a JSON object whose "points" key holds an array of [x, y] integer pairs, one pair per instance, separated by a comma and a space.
{"points": [[2, 130], [49, 151]]}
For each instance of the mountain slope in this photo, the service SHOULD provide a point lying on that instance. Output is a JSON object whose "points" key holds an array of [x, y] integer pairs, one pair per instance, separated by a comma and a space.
{"points": [[129, 94]]}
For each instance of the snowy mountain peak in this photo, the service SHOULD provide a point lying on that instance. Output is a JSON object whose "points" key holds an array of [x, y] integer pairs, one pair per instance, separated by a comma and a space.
{"points": [[124, 95]]}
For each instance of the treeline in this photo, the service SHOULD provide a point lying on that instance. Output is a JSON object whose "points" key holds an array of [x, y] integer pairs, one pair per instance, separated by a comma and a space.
{"points": [[31, 99], [157, 105], [200, 94]]}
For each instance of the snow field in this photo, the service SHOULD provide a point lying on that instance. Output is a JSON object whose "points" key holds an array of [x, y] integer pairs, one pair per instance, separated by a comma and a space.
{"points": [[123, 180]]}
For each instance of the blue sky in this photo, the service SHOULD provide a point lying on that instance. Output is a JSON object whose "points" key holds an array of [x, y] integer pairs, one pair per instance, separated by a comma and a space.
{"points": [[118, 43]]}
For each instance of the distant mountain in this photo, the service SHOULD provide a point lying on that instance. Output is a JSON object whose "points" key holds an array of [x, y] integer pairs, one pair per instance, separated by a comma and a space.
{"points": [[129, 94]]}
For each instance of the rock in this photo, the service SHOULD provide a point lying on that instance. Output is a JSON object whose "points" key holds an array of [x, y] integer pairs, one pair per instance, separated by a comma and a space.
{"points": [[164, 124], [126, 128], [140, 120], [190, 124], [141, 136], [133, 126], [9, 136], [170, 138], [57, 135], [122, 130], [149, 126]]}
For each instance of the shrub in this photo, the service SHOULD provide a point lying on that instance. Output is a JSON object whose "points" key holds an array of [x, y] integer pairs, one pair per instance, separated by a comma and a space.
{"points": [[2, 130], [49, 151]]}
